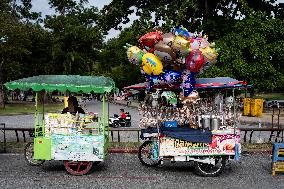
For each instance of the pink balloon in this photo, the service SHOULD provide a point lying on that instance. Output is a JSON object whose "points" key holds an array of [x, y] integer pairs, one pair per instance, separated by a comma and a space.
{"points": [[194, 61]]}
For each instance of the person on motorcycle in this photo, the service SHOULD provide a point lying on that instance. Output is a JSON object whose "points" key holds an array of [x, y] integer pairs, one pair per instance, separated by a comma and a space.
{"points": [[122, 114]]}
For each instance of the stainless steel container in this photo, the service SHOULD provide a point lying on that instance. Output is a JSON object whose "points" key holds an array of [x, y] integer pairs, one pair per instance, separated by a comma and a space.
{"points": [[206, 123], [215, 124]]}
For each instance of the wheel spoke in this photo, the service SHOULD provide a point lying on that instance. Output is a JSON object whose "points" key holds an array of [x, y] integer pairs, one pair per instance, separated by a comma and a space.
{"points": [[79, 165]]}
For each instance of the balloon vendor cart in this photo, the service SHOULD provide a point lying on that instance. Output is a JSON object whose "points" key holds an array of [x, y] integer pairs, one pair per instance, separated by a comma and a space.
{"points": [[79, 140], [204, 132], [184, 118]]}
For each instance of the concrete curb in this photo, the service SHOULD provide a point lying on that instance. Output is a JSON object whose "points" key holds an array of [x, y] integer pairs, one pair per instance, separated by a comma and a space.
{"points": [[257, 151], [136, 150], [123, 150]]}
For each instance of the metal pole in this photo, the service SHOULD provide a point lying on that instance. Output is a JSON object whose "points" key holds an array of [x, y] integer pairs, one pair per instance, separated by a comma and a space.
{"points": [[35, 116], [42, 121], [234, 111], [4, 137], [104, 114]]}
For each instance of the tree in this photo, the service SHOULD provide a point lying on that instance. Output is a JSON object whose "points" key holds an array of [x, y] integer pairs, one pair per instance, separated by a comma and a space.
{"points": [[75, 35], [253, 52], [13, 35], [193, 14], [247, 31], [113, 61]]}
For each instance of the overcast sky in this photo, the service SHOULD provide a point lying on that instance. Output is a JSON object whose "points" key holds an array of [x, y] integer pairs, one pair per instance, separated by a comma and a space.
{"points": [[43, 7]]}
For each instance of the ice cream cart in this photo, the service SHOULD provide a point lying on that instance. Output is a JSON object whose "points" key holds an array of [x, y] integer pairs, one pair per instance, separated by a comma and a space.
{"points": [[78, 140]]}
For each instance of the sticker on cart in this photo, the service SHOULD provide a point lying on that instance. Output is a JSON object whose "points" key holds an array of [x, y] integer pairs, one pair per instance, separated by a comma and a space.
{"points": [[221, 145], [77, 148]]}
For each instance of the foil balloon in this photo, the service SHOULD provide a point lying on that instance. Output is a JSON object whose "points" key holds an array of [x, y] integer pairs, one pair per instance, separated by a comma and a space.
{"points": [[181, 46], [149, 40], [151, 64], [181, 31], [164, 52], [210, 53], [134, 54], [168, 38], [204, 43], [194, 44], [166, 78], [170, 77], [194, 61], [188, 83]]}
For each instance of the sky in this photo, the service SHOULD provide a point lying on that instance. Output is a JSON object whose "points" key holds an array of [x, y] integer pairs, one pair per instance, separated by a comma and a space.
{"points": [[43, 7]]}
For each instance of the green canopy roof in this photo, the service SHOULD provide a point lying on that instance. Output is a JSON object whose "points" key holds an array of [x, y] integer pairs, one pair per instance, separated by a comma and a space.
{"points": [[62, 83]]}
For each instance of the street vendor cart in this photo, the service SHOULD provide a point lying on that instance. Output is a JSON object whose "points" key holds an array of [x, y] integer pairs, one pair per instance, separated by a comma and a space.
{"points": [[203, 131], [78, 140]]}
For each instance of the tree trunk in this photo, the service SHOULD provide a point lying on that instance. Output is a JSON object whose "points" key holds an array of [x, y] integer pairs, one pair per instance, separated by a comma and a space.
{"points": [[2, 100]]}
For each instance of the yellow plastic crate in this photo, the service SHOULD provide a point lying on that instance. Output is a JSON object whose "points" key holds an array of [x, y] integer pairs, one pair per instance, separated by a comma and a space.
{"points": [[277, 167]]}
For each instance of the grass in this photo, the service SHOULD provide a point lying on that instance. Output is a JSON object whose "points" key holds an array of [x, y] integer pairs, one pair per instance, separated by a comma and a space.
{"points": [[25, 108], [270, 96], [248, 146], [124, 144], [18, 147], [14, 147], [267, 96]]}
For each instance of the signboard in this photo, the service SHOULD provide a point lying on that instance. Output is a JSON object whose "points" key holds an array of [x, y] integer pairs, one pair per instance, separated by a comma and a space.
{"points": [[223, 144], [77, 148]]}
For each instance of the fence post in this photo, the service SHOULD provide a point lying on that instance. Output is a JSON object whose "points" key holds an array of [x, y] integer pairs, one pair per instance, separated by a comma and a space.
{"points": [[4, 135]]}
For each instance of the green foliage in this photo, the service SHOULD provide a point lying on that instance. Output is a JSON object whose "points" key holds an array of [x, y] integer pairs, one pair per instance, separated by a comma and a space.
{"points": [[253, 52], [250, 34], [74, 37], [246, 31]]}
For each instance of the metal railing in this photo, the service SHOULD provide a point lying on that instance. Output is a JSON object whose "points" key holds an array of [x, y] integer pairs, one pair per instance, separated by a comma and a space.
{"points": [[116, 134]]}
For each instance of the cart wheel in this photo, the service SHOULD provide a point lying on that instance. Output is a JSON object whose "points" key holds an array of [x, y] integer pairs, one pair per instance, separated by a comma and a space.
{"points": [[29, 155], [78, 167], [115, 124], [209, 170], [145, 154]]}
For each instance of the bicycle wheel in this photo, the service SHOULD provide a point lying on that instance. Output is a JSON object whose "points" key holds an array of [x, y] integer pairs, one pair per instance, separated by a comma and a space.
{"points": [[210, 170], [29, 155], [78, 168], [145, 154]]}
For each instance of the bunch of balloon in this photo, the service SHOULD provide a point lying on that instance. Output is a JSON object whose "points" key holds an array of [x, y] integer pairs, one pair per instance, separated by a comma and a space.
{"points": [[173, 57]]}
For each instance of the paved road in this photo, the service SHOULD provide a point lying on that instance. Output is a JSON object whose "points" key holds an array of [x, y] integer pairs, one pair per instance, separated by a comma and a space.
{"points": [[125, 171]]}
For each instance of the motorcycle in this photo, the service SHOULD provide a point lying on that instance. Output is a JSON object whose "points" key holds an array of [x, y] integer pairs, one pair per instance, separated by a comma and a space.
{"points": [[115, 121]]}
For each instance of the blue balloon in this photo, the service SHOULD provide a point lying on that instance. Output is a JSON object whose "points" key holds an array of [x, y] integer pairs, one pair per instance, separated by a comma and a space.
{"points": [[188, 84], [181, 32], [165, 78]]}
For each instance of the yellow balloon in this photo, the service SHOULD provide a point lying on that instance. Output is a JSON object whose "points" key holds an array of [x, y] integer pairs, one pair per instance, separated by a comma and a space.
{"points": [[133, 50], [209, 53], [181, 45], [151, 64]]}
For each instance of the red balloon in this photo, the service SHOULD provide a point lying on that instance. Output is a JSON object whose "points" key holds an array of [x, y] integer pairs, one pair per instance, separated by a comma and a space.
{"points": [[149, 40], [194, 61]]}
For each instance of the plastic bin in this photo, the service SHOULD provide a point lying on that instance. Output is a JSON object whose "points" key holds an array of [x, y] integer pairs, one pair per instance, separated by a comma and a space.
{"points": [[256, 107], [246, 106]]}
